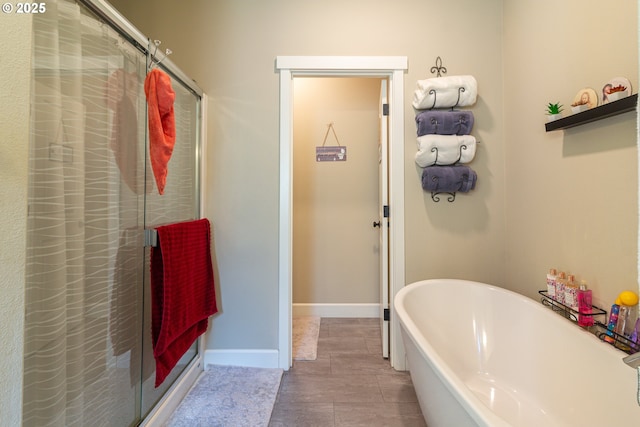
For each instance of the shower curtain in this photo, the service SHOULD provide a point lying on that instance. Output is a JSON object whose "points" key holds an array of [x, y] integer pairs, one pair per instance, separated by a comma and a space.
{"points": [[88, 358]]}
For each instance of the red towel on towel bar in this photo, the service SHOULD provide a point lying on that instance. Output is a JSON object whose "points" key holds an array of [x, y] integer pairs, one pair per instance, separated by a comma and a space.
{"points": [[182, 291]]}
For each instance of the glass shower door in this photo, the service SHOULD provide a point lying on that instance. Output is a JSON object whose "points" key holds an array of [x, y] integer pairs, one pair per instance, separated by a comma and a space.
{"points": [[180, 202], [83, 292], [88, 354]]}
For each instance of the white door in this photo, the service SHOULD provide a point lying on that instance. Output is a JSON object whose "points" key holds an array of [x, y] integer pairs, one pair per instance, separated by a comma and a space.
{"points": [[383, 221]]}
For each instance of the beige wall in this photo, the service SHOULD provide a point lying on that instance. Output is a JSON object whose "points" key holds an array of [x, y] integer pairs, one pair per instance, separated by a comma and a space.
{"points": [[572, 196], [335, 247], [229, 48], [15, 65]]}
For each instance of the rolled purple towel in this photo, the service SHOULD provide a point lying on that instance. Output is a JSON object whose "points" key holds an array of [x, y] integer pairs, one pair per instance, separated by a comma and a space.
{"points": [[449, 179], [444, 122]]}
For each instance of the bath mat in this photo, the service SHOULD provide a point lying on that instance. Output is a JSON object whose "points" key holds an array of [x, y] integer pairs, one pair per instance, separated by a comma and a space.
{"points": [[305, 337], [229, 396]]}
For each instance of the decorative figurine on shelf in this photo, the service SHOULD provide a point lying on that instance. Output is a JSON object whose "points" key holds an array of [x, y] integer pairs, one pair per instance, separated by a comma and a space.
{"points": [[586, 96], [554, 111], [581, 104], [620, 87], [616, 93]]}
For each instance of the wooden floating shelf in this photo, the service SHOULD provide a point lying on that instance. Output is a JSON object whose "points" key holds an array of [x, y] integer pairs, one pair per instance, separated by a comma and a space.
{"points": [[614, 108]]}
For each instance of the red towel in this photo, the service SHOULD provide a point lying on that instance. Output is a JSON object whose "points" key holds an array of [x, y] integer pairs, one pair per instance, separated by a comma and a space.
{"points": [[162, 123], [182, 291]]}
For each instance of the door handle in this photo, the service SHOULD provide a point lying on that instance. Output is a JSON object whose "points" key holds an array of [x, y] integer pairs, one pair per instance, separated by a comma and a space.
{"points": [[376, 224]]}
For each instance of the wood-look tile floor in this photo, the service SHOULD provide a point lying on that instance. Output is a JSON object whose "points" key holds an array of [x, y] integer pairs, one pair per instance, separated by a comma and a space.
{"points": [[349, 384]]}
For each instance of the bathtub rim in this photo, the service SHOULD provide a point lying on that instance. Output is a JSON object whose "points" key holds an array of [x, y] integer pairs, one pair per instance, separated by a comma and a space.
{"points": [[478, 411]]}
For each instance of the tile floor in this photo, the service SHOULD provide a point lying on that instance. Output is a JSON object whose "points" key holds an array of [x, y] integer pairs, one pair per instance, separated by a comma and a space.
{"points": [[349, 384]]}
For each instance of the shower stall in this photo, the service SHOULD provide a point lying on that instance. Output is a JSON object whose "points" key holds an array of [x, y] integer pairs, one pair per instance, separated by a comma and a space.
{"points": [[88, 352]]}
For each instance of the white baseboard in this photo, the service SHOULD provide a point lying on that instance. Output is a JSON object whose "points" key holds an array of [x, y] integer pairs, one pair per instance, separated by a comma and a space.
{"points": [[337, 310], [257, 358]]}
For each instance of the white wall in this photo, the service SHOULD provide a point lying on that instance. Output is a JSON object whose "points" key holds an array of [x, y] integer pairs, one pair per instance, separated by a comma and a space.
{"points": [[335, 247], [572, 196], [15, 67]]}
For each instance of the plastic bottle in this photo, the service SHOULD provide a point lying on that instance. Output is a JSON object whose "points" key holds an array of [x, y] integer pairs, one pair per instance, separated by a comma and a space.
{"points": [[551, 283], [624, 327], [628, 301], [561, 281], [571, 293], [626, 320], [613, 320], [636, 333], [584, 305]]}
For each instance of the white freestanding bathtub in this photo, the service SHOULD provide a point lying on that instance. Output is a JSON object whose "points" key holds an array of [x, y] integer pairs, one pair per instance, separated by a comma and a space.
{"points": [[480, 355]]}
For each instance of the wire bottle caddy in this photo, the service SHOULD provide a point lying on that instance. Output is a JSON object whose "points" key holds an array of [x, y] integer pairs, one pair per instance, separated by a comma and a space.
{"points": [[599, 328], [620, 342], [568, 312]]}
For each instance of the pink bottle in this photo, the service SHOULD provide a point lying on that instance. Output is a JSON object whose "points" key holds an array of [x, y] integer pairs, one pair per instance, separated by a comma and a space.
{"points": [[584, 305]]}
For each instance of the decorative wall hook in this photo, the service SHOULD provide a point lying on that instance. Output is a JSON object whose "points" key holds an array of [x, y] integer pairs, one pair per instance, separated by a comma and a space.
{"points": [[438, 68]]}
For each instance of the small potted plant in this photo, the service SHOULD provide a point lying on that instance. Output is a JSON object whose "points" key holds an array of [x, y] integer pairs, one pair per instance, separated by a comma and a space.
{"points": [[554, 111], [616, 93]]}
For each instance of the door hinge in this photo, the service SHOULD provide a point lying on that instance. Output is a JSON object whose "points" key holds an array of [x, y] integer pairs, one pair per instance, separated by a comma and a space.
{"points": [[385, 211], [385, 109], [386, 315]]}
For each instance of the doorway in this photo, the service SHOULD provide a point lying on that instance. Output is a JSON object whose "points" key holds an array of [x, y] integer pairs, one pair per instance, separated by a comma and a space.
{"points": [[336, 246], [391, 68]]}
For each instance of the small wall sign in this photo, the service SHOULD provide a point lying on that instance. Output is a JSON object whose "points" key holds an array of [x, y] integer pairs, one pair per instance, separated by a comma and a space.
{"points": [[331, 154]]}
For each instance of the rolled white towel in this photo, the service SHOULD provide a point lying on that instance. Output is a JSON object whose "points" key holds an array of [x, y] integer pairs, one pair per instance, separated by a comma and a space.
{"points": [[445, 149], [445, 92]]}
